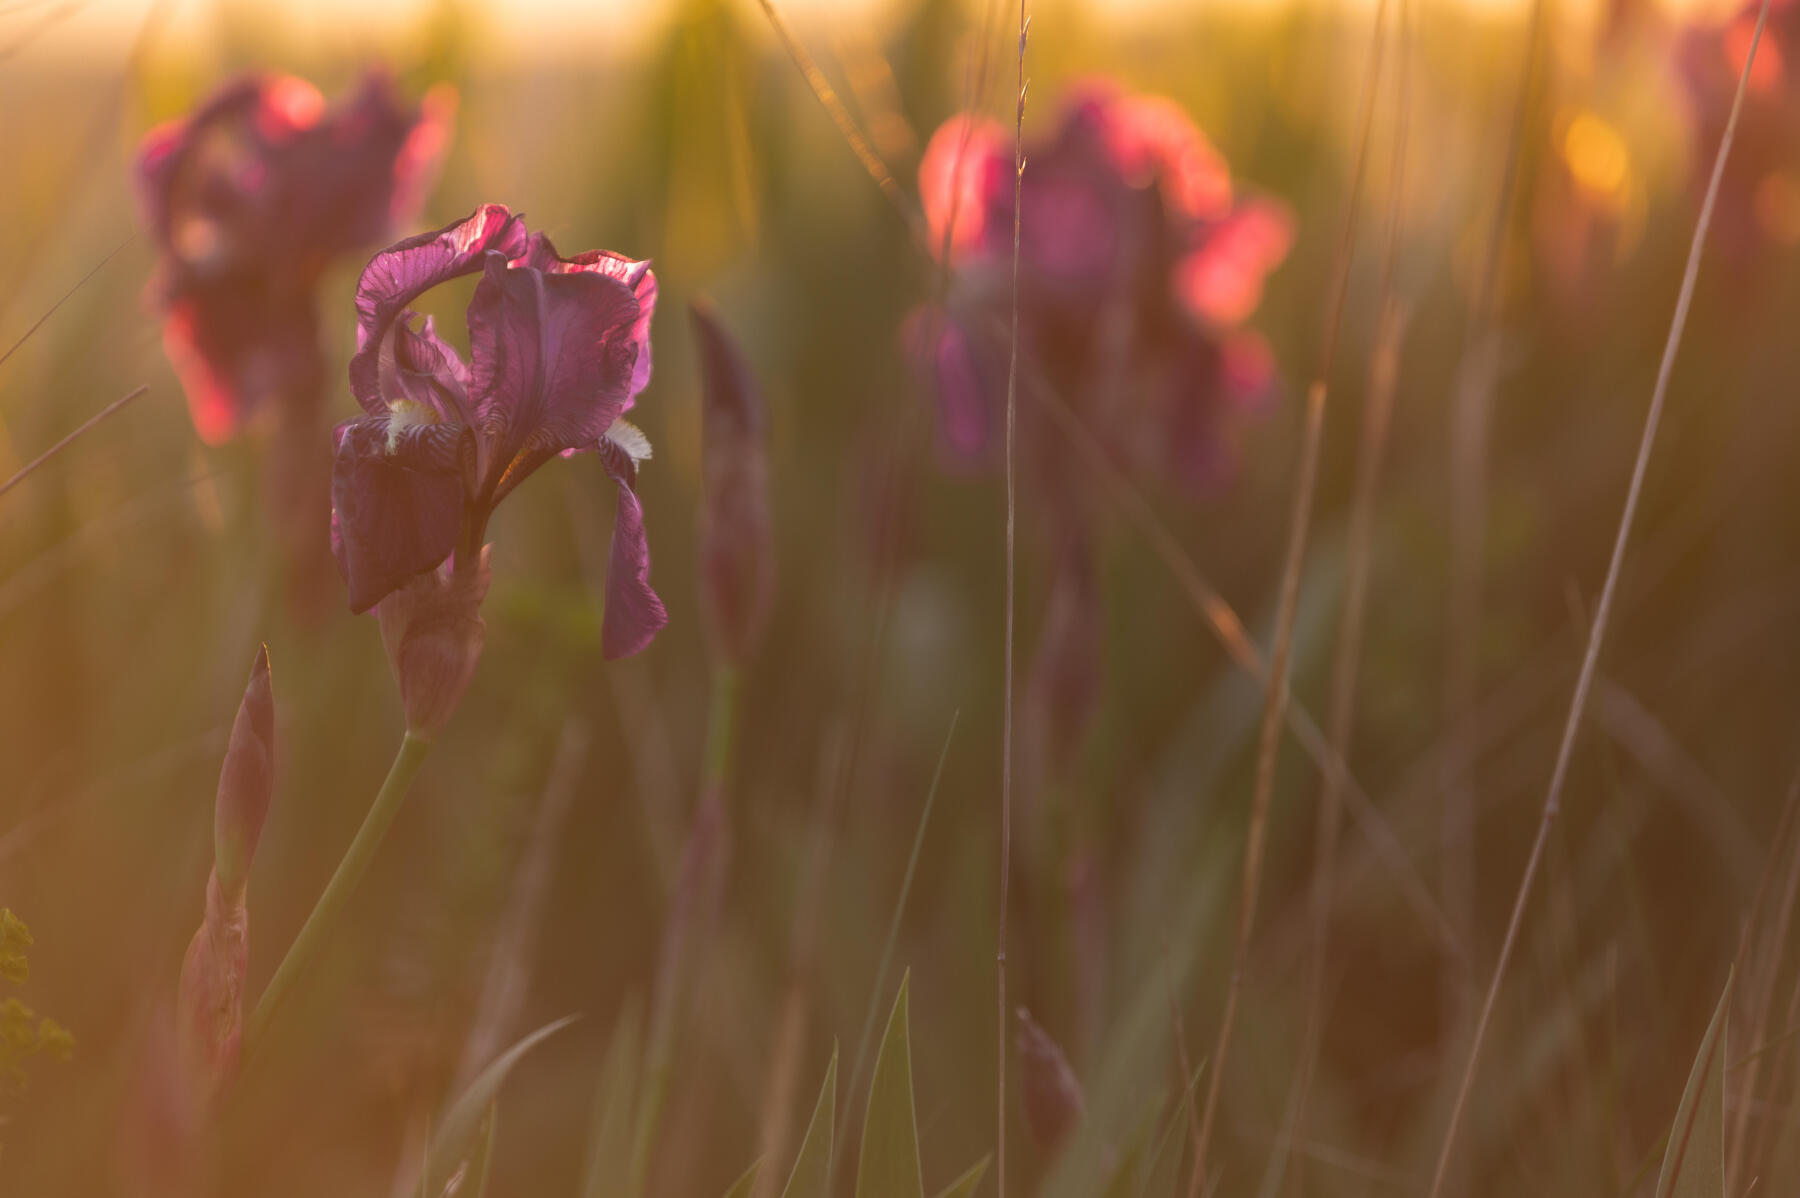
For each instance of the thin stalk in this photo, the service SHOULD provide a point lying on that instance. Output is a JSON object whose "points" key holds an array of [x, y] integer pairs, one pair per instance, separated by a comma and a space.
{"points": [[1383, 379], [1472, 403], [893, 934], [1602, 614], [1228, 629], [840, 116], [1006, 732], [86, 426], [1299, 524], [350, 871], [64, 298], [693, 878]]}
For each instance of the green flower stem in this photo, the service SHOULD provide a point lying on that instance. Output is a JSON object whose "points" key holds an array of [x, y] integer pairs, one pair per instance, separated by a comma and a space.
{"points": [[350, 871], [721, 726]]}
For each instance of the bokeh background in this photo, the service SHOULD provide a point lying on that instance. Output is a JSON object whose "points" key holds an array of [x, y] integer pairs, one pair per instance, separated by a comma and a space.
{"points": [[136, 582]]}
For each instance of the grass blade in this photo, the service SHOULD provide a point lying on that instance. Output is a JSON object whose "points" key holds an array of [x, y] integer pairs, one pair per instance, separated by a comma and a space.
{"points": [[456, 1142], [1694, 1163], [906, 881], [888, 1166], [811, 1177], [609, 1152], [964, 1186]]}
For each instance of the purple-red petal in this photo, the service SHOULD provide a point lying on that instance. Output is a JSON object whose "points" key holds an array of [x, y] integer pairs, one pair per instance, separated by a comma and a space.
{"points": [[551, 360], [391, 519], [398, 275], [634, 613]]}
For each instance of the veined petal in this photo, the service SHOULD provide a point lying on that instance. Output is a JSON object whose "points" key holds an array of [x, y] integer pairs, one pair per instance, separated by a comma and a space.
{"points": [[552, 359], [634, 613], [396, 509], [398, 275], [429, 372], [632, 272]]}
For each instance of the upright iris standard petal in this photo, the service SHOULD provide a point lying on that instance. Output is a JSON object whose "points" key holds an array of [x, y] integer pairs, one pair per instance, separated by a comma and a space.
{"points": [[632, 272], [397, 503], [634, 613], [426, 371], [551, 361], [403, 272]]}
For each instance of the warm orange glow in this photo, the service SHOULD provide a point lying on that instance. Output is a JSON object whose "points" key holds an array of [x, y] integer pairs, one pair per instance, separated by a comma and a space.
{"points": [[1597, 158]]}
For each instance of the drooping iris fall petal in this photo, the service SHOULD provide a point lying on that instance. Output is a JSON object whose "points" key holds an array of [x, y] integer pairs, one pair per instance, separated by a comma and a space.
{"points": [[397, 503], [634, 613]]}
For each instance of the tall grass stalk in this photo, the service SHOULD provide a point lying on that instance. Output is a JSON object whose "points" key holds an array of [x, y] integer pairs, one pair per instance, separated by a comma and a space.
{"points": [[879, 989], [1471, 405], [1390, 330], [1006, 720], [356, 861], [1228, 629], [840, 116], [1602, 615], [1299, 523], [64, 298], [83, 429]]}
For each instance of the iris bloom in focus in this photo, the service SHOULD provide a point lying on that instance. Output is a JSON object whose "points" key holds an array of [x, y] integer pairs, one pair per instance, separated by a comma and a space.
{"points": [[559, 350], [1138, 265], [248, 200]]}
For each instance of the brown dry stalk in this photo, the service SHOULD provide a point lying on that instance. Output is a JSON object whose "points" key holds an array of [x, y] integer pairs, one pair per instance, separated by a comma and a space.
{"points": [[81, 430], [840, 116], [1384, 364], [1763, 990], [1006, 723], [1476, 378], [1299, 523], [1602, 616]]}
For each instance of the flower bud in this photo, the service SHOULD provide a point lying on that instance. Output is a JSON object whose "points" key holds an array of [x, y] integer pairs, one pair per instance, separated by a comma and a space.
{"points": [[210, 1000], [246, 781], [737, 551], [433, 632], [1052, 1096]]}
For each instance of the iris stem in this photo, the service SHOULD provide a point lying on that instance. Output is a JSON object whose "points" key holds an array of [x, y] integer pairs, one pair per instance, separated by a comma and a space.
{"points": [[350, 871]]}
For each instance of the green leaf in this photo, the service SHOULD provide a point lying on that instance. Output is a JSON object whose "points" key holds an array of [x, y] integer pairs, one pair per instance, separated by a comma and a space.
{"points": [[742, 1186], [889, 1164], [456, 1141], [811, 1177], [964, 1186], [609, 1151], [1694, 1163]]}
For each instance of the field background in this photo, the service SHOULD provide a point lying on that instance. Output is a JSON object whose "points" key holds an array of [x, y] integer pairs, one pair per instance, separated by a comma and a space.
{"points": [[136, 582]]}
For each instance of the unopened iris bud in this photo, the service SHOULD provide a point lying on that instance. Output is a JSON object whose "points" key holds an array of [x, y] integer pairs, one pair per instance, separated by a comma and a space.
{"points": [[246, 781], [210, 1001], [433, 632], [737, 552], [1052, 1095]]}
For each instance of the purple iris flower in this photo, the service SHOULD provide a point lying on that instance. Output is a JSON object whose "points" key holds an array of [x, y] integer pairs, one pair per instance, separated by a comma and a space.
{"points": [[249, 199], [559, 349]]}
